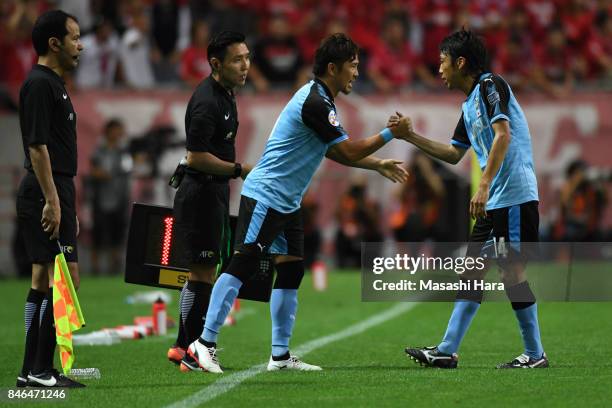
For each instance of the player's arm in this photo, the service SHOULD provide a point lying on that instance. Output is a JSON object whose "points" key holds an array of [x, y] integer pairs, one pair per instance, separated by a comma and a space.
{"points": [[201, 130], [351, 152], [41, 164], [210, 164], [37, 106], [389, 168], [494, 161], [450, 153], [496, 104], [446, 152]]}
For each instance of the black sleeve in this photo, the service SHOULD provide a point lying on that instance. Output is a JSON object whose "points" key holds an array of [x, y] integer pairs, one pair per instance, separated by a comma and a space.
{"points": [[496, 95], [202, 127], [320, 115], [460, 137], [38, 104]]}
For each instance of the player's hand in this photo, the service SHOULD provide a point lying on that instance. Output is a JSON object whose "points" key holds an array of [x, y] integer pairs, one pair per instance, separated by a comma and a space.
{"points": [[392, 169], [479, 202], [402, 128], [246, 169], [51, 217]]}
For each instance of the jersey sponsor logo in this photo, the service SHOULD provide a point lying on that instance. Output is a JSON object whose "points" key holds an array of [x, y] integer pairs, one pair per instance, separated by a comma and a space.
{"points": [[227, 116], [332, 118]]}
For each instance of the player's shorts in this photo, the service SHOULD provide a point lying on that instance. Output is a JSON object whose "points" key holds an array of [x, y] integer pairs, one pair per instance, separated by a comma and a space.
{"points": [[30, 202], [510, 229], [264, 230], [201, 219]]}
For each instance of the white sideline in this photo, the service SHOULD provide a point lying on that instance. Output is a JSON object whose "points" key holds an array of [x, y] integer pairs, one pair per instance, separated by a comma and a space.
{"points": [[226, 383]]}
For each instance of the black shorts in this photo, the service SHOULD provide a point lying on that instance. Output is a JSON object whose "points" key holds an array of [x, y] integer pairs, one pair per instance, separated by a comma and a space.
{"points": [[201, 219], [511, 227], [261, 229], [30, 203]]}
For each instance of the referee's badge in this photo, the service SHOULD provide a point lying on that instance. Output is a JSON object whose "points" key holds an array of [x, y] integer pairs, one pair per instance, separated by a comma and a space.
{"points": [[332, 118]]}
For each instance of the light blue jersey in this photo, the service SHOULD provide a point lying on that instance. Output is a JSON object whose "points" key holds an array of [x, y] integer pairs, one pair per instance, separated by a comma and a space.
{"points": [[491, 100], [303, 132]]}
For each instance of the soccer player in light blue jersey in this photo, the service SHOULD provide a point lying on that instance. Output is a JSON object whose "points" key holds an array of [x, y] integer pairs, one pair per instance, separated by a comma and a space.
{"points": [[506, 203], [270, 220]]}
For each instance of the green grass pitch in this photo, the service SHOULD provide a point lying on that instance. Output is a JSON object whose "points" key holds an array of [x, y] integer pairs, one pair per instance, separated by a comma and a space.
{"points": [[369, 369]]}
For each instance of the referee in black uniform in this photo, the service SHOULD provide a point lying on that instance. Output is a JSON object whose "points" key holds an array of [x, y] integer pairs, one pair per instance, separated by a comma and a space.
{"points": [[201, 205], [46, 199]]}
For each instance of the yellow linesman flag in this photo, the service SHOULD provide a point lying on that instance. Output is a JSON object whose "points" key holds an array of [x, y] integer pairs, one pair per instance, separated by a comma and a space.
{"points": [[66, 311]]}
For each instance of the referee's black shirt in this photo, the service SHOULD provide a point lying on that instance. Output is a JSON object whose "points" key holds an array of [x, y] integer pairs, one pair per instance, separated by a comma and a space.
{"points": [[47, 118], [211, 120]]}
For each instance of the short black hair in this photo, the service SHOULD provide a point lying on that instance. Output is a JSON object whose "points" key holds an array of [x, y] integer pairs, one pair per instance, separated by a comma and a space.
{"points": [[217, 47], [464, 43], [575, 166], [48, 25], [337, 48], [112, 123]]}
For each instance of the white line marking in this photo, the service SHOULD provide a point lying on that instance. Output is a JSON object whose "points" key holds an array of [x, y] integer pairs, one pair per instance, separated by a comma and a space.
{"points": [[226, 383]]}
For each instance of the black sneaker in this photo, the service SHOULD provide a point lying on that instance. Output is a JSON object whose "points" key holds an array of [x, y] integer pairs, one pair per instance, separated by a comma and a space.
{"points": [[432, 357], [524, 361], [22, 381], [53, 378], [189, 363]]}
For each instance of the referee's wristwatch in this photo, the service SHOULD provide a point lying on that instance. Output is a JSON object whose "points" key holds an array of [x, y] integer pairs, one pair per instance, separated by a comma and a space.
{"points": [[237, 170]]}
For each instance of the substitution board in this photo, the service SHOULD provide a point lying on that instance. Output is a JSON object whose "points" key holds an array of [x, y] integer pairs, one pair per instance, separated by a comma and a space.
{"points": [[155, 257]]}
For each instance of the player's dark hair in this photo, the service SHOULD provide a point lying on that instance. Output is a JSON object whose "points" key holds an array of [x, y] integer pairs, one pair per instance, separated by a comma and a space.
{"points": [[112, 123], [217, 47], [337, 48], [464, 43], [48, 25], [575, 166]]}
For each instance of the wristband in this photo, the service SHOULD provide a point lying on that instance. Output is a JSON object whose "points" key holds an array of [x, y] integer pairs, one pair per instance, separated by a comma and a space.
{"points": [[237, 170], [387, 135]]}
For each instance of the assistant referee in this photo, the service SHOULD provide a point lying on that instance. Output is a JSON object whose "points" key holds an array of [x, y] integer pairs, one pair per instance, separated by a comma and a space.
{"points": [[201, 205], [46, 199]]}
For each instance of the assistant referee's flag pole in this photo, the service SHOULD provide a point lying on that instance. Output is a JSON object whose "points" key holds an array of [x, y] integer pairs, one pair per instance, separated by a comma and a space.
{"points": [[66, 310]]}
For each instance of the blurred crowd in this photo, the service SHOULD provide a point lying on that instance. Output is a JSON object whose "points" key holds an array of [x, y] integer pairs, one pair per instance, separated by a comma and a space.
{"points": [[550, 45]]}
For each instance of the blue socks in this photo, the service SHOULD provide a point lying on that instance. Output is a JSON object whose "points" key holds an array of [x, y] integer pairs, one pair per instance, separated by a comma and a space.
{"points": [[530, 331], [458, 324], [221, 300], [283, 306]]}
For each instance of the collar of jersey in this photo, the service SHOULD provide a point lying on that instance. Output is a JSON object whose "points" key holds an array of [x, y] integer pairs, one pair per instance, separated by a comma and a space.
{"points": [[480, 78], [49, 71], [325, 88], [220, 88]]}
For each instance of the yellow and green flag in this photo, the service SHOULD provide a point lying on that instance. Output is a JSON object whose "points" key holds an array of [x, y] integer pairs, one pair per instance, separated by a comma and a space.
{"points": [[66, 311]]}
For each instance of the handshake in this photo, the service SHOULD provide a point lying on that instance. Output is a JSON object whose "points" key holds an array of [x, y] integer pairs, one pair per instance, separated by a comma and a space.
{"points": [[400, 126]]}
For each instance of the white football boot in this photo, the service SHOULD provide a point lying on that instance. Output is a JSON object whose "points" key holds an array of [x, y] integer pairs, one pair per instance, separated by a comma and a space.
{"points": [[292, 363], [206, 357]]}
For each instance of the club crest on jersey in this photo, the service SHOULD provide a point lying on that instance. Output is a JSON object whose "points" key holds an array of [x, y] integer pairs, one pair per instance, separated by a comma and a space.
{"points": [[332, 118]]}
